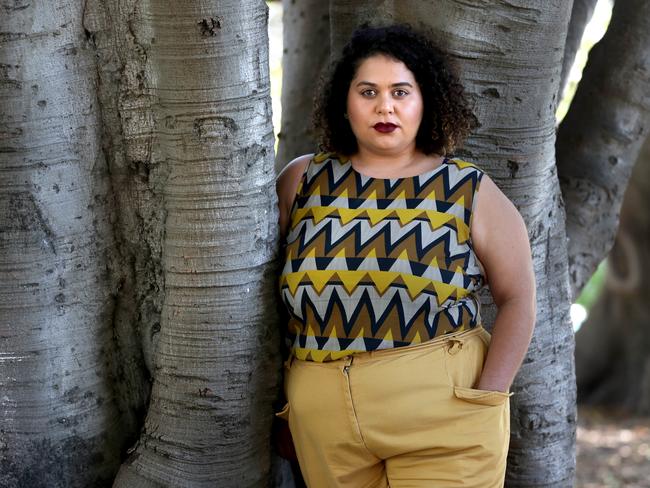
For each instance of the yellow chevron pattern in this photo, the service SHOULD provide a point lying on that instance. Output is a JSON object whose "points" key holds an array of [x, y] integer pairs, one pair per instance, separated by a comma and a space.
{"points": [[373, 263]]}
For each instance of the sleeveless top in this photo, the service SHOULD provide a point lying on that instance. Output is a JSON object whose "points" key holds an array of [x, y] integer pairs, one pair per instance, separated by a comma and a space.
{"points": [[376, 263]]}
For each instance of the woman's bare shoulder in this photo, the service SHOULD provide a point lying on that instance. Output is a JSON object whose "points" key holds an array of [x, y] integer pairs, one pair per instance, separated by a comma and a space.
{"points": [[295, 168], [286, 186], [289, 178]]}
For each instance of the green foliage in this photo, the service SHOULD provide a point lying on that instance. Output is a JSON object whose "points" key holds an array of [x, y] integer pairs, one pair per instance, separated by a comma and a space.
{"points": [[592, 289]]}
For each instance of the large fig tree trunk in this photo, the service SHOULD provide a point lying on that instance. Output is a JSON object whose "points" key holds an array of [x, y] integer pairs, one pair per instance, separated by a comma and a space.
{"points": [[613, 345], [215, 366], [510, 57], [59, 423], [162, 109], [601, 136]]}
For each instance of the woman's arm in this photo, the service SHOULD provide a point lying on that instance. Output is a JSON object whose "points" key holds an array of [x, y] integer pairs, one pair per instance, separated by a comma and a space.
{"points": [[501, 243], [286, 186]]}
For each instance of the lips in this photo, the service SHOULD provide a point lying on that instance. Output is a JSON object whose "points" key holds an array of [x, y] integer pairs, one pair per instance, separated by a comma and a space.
{"points": [[381, 127]]}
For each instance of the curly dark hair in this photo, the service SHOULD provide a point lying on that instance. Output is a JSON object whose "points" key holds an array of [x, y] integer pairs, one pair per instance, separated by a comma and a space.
{"points": [[447, 117]]}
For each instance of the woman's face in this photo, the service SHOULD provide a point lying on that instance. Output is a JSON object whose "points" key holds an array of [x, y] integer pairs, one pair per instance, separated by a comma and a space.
{"points": [[384, 106]]}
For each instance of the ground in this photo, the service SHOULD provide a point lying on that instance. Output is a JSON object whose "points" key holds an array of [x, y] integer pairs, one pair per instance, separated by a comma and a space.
{"points": [[613, 449]]}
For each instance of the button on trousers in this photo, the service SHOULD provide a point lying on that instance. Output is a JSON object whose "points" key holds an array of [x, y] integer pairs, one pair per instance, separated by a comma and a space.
{"points": [[404, 417]]}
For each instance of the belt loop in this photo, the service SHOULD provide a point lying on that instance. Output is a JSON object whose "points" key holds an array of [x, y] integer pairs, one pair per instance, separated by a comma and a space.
{"points": [[347, 362], [455, 345]]}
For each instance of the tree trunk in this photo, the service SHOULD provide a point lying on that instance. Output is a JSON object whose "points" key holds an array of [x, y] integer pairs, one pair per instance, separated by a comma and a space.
{"points": [[138, 220], [612, 347], [600, 138], [215, 364], [60, 424], [511, 57], [347, 15], [306, 53], [115, 29]]}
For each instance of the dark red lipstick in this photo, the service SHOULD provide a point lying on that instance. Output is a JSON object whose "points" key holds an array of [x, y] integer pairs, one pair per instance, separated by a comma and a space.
{"points": [[381, 127]]}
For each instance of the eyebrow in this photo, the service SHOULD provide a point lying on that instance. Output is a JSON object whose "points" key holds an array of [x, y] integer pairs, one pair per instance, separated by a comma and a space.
{"points": [[401, 83]]}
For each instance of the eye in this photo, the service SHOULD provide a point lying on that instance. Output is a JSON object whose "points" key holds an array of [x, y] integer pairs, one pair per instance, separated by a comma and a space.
{"points": [[368, 93], [400, 93]]}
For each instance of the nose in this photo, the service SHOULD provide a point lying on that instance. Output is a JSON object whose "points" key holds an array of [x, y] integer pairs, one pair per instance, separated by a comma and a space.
{"points": [[384, 104]]}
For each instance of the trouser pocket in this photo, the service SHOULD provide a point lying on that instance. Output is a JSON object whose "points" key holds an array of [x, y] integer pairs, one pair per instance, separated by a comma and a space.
{"points": [[487, 398], [464, 361]]}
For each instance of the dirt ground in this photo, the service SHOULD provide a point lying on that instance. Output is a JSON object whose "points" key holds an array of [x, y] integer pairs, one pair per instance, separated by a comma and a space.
{"points": [[613, 450]]}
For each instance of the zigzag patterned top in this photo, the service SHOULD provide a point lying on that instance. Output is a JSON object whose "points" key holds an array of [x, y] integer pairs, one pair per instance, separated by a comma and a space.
{"points": [[377, 263]]}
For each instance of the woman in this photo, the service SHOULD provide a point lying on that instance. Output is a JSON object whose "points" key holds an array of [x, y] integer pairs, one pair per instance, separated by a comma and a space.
{"points": [[391, 381]]}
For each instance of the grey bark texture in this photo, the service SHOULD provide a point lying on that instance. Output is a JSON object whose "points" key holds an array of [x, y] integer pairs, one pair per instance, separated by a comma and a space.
{"points": [[306, 34], [601, 136], [581, 14], [345, 16], [138, 226], [138, 235], [60, 423], [510, 58], [215, 364], [128, 140], [612, 360]]}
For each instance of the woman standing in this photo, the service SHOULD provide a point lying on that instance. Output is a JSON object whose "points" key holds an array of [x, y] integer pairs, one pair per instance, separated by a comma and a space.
{"points": [[392, 380]]}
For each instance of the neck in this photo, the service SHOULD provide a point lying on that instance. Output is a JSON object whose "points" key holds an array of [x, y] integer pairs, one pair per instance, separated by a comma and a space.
{"points": [[394, 164]]}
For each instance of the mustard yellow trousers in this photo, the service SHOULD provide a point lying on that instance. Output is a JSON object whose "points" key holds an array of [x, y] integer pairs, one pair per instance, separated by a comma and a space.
{"points": [[404, 417]]}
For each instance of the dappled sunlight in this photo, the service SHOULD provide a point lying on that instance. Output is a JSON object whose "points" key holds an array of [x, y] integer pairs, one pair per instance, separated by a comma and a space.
{"points": [[578, 316], [613, 450], [588, 296], [275, 64], [594, 32]]}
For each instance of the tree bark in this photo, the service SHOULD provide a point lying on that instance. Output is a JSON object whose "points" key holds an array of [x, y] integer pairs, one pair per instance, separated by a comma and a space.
{"points": [[60, 422], [138, 220], [581, 14], [306, 35], [215, 363], [345, 16], [510, 57], [129, 141], [600, 138], [612, 359]]}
